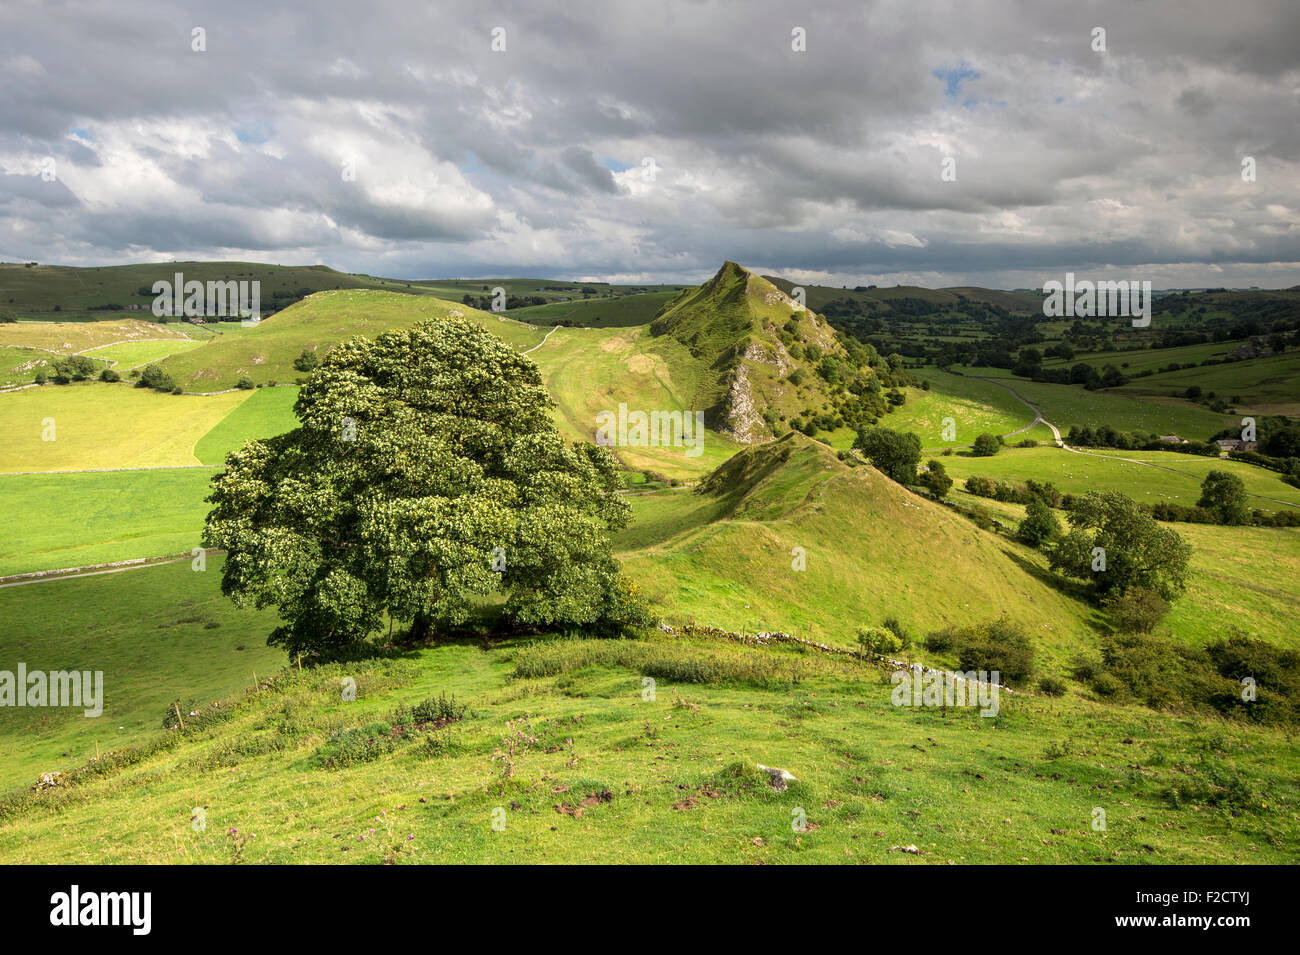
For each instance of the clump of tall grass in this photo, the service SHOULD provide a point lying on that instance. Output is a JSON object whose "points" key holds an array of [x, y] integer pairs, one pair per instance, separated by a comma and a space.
{"points": [[678, 663]]}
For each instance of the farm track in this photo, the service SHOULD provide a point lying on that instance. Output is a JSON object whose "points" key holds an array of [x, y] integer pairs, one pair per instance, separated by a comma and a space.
{"points": [[542, 342]]}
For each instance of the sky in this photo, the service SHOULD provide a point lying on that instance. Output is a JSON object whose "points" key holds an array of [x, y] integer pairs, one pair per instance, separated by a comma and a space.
{"points": [[989, 143]]}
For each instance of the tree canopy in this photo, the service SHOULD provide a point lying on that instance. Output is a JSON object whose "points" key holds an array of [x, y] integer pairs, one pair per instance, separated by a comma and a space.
{"points": [[1224, 494], [426, 473], [1118, 546], [893, 452]]}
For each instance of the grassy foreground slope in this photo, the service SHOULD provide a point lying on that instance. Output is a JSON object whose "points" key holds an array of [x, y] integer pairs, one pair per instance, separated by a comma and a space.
{"points": [[159, 634], [727, 555], [563, 758]]}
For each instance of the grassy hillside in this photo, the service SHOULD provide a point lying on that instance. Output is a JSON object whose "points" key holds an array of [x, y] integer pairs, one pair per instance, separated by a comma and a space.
{"points": [[1242, 578], [265, 353], [158, 634], [70, 338], [873, 549], [1260, 386], [57, 291], [620, 312], [1145, 476], [561, 758]]}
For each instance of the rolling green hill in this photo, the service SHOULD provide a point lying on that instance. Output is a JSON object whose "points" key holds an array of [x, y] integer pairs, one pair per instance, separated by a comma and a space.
{"points": [[265, 352], [873, 549], [64, 292]]}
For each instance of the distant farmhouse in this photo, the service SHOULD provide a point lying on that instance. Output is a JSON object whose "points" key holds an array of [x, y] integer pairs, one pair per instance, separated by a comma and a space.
{"points": [[1236, 444], [1172, 439]]}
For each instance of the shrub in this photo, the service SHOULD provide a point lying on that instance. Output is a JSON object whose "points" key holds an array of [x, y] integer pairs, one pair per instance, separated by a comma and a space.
{"points": [[73, 368], [879, 640], [154, 377], [1137, 610], [896, 627], [1051, 686], [999, 645], [941, 641], [41, 377], [986, 445], [245, 383], [1040, 525], [1106, 685], [307, 360], [355, 745], [108, 374], [438, 709]]}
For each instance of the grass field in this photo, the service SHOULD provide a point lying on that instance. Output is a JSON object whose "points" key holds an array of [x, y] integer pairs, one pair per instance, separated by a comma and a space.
{"points": [[1266, 386], [19, 366], [1242, 577], [975, 406], [1068, 405], [266, 413], [72, 520], [158, 634], [106, 426], [130, 355], [70, 338], [1147, 358], [1176, 477], [265, 353]]}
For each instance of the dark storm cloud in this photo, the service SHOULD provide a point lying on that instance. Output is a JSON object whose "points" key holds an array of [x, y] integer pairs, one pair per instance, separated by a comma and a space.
{"points": [[655, 139]]}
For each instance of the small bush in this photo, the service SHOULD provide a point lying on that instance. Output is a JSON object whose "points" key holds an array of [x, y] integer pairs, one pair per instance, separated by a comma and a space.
{"points": [[941, 641], [245, 384], [878, 640], [896, 627], [440, 709], [108, 374], [1051, 686], [1137, 610], [355, 745], [999, 645]]}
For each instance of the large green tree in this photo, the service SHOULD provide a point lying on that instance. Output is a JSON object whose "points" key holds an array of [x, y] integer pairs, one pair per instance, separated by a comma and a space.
{"points": [[1224, 495], [1118, 546], [893, 452], [426, 473]]}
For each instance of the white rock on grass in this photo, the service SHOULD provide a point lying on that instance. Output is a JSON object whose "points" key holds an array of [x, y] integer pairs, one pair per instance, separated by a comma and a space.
{"points": [[779, 778]]}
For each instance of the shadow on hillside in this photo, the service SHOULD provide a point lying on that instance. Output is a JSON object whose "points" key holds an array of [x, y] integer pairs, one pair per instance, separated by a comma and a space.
{"points": [[1062, 585]]}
